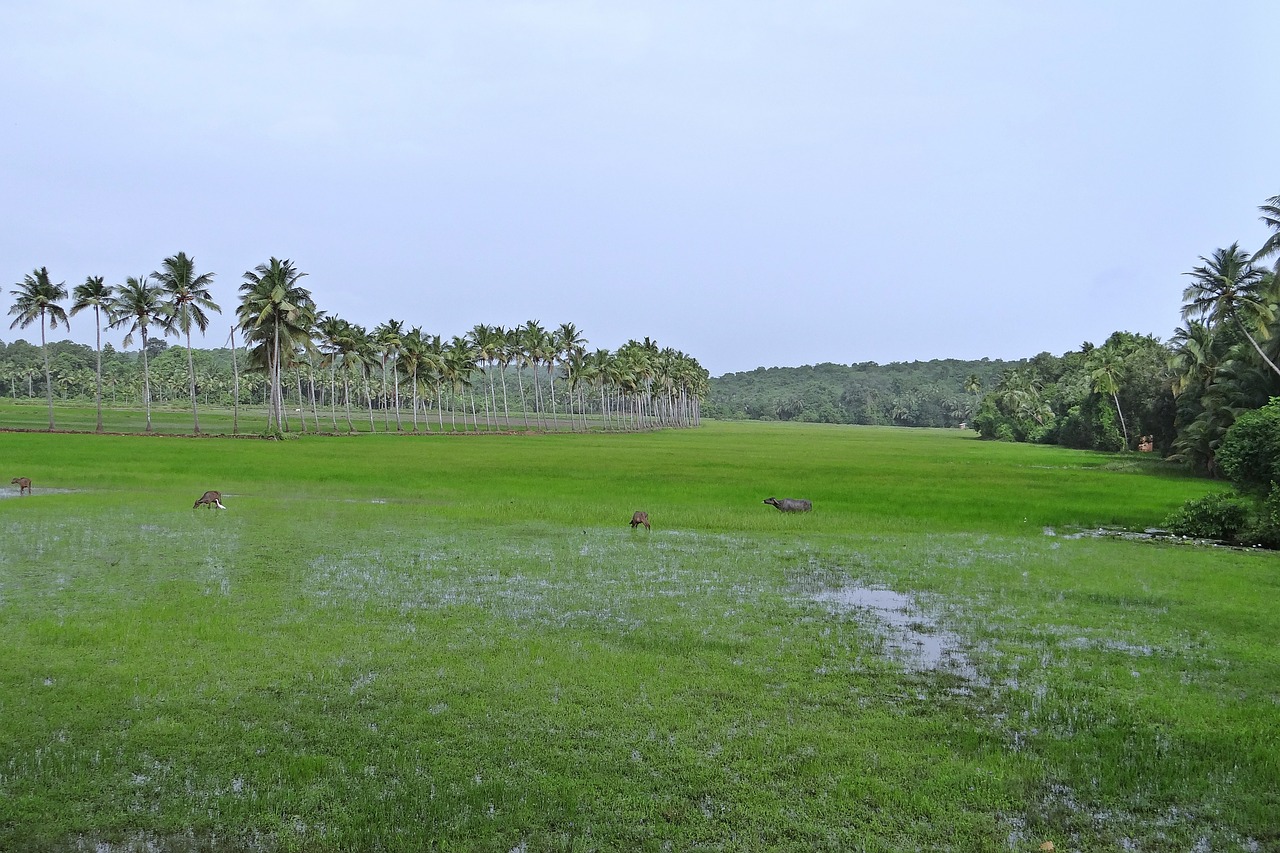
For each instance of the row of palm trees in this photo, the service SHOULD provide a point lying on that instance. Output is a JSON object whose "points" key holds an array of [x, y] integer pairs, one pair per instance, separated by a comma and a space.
{"points": [[172, 298], [286, 335], [1225, 357]]}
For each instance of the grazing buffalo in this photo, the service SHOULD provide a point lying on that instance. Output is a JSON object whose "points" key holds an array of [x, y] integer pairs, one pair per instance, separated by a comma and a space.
{"points": [[209, 499], [24, 485], [790, 504], [638, 518]]}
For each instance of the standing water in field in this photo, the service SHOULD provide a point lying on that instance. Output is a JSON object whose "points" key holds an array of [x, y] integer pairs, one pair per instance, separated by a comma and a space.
{"points": [[911, 633]]}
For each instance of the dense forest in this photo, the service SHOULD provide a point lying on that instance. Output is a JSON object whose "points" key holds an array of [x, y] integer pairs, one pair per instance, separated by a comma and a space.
{"points": [[939, 393], [1131, 392]]}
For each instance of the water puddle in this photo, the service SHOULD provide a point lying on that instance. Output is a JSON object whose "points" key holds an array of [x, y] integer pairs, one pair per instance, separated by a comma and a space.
{"points": [[911, 633], [1150, 534], [12, 492]]}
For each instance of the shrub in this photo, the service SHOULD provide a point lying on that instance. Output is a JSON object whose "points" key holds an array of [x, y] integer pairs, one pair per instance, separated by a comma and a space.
{"points": [[1264, 529], [1214, 516], [1250, 451]]}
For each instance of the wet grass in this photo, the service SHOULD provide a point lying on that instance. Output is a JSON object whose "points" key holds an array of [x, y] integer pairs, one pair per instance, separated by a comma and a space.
{"points": [[408, 643]]}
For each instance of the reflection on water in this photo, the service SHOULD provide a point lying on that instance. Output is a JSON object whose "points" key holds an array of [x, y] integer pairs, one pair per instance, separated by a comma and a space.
{"points": [[908, 630]]}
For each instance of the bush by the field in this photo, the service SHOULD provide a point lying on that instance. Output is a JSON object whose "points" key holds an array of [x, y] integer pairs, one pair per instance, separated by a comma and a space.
{"points": [[1215, 516]]}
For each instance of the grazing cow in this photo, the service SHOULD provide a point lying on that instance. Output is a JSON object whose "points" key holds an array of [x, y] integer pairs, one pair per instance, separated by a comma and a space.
{"points": [[790, 504], [638, 518], [24, 485], [209, 499]]}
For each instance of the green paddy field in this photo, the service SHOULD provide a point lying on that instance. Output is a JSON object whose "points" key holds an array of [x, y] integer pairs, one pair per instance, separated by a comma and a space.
{"points": [[407, 643]]}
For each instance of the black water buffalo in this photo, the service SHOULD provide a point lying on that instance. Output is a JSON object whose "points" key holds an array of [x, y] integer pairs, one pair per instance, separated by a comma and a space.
{"points": [[790, 504]]}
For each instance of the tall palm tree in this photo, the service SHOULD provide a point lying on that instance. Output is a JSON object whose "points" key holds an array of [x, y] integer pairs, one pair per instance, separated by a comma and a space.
{"points": [[139, 306], [389, 340], [413, 349], [486, 343], [504, 353], [565, 341], [361, 354], [37, 301], [1106, 369], [341, 345], [99, 296], [459, 365], [1228, 287], [276, 313], [188, 298], [515, 352]]}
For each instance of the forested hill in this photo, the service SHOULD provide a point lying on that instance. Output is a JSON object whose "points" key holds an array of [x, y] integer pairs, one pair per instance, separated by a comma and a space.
{"points": [[942, 392]]}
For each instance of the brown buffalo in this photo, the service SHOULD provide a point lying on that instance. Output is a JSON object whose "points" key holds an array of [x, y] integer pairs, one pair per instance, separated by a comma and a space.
{"points": [[638, 518], [23, 483], [209, 499]]}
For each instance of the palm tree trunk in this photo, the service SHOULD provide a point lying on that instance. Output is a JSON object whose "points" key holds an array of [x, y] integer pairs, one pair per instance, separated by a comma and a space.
{"points": [[551, 383], [235, 399], [97, 321], [146, 378], [368, 395], [311, 389], [48, 384], [386, 415], [191, 375], [524, 404], [1115, 395], [333, 393], [399, 426], [506, 415], [346, 399], [1269, 362], [302, 412], [414, 379]]}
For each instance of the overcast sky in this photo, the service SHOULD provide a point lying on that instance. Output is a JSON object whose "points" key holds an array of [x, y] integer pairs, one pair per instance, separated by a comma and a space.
{"points": [[752, 183]]}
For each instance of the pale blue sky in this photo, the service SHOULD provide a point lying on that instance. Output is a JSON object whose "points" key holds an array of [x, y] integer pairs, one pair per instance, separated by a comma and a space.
{"points": [[752, 183]]}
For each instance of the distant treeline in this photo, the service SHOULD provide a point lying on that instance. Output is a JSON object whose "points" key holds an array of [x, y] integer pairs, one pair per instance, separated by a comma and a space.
{"points": [[937, 393]]}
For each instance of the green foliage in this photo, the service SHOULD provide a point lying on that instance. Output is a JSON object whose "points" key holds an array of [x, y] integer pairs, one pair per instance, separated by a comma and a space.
{"points": [[938, 393], [1249, 454], [1214, 516], [1079, 399]]}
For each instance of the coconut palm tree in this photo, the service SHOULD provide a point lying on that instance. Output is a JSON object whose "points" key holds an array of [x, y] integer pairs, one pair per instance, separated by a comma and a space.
{"points": [[413, 349], [139, 306], [276, 314], [99, 296], [534, 343], [388, 339], [94, 293], [328, 329], [1106, 371], [565, 342], [515, 351], [188, 298], [487, 343], [596, 373], [37, 301], [1227, 287]]}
